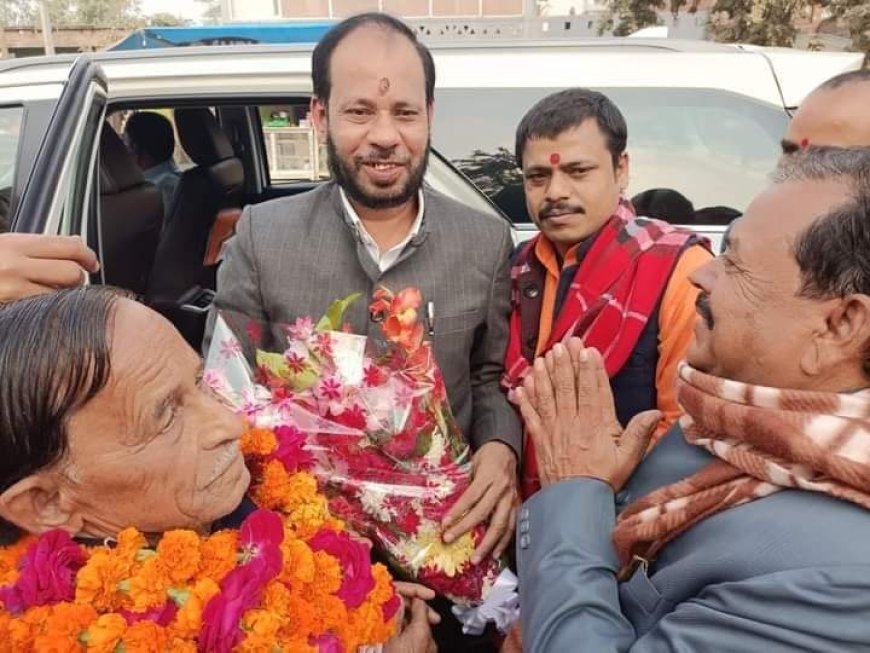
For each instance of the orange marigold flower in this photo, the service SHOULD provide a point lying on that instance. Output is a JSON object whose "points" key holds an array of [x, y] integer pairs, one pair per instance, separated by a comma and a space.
{"points": [[263, 624], [384, 588], [302, 617], [67, 621], [219, 555], [178, 554], [296, 645], [145, 637], [178, 645], [106, 633], [188, 621], [273, 488], [97, 583], [258, 442], [309, 517], [129, 543], [147, 588], [10, 558], [299, 567], [276, 598], [328, 575]]}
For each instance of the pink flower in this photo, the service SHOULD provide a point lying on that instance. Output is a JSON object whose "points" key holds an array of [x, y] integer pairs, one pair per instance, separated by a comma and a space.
{"points": [[47, 573], [329, 389], [391, 607], [373, 376], [291, 449], [254, 331], [241, 590], [162, 615], [260, 536], [355, 561], [301, 329], [294, 361], [323, 344], [230, 348], [327, 643]]}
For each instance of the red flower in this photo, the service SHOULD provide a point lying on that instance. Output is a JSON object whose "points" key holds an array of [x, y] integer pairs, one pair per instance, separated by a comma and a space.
{"points": [[329, 389], [354, 417], [47, 573], [323, 344], [255, 332], [355, 561], [294, 361], [408, 522], [402, 445], [162, 615], [373, 376], [291, 449]]}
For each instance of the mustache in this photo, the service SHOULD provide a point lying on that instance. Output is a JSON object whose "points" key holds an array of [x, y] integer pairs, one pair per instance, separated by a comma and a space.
{"points": [[383, 156], [702, 306], [549, 209]]}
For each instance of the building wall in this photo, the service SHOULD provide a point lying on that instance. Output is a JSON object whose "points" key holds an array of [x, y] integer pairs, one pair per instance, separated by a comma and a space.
{"points": [[242, 10]]}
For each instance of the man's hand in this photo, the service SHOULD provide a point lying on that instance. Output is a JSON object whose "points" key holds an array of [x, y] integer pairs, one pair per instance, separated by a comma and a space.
{"points": [[411, 591], [416, 635], [491, 496], [32, 264], [568, 410]]}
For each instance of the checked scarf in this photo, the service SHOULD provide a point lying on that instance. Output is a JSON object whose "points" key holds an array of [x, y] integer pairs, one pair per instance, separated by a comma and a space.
{"points": [[613, 293], [765, 440]]}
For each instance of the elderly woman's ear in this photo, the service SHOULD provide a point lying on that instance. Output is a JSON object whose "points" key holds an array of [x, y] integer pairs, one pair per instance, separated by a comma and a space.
{"points": [[37, 504]]}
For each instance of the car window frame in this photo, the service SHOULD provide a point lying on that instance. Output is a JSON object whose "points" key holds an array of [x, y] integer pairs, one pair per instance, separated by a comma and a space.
{"points": [[58, 195]]}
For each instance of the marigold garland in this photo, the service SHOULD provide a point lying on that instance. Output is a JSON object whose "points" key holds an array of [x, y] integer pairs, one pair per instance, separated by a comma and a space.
{"points": [[290, 580]]}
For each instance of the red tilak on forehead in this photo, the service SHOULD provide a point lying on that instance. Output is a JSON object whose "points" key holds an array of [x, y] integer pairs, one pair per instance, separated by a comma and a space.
{"points": [[805, 142], [555, 158]]}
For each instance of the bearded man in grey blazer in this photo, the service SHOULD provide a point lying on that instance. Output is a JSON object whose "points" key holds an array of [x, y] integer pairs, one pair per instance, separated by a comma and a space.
{"points": [[377, 224]]}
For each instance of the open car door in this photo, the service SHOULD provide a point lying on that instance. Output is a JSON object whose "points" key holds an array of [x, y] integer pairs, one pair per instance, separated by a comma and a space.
{"points": [[59, 195]]}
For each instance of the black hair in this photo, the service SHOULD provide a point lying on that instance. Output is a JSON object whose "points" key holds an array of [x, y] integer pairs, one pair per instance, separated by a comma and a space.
{"points": [[567, 109], [54, 353], [833, 253], [151, 134], [851, 77], [322, 55]]}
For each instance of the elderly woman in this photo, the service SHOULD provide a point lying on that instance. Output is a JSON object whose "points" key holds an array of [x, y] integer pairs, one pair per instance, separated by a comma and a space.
{"points": [[746, 528], [105, 424]]}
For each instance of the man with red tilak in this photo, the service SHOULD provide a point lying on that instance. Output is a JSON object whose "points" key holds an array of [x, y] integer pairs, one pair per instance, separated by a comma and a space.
{"points": [[596, 270]]}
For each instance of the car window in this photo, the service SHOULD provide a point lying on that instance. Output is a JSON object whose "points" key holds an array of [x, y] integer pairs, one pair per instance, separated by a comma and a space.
{"points": [[10, 130], [291, 146], [712, 149]]}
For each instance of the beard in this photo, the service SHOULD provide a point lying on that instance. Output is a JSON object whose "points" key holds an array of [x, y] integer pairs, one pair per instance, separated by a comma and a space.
{"points": [[347, 175]]}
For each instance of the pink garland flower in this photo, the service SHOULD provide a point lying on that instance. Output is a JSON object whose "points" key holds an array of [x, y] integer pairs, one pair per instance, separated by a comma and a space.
{"points": [[355, 560], [47, 574]]}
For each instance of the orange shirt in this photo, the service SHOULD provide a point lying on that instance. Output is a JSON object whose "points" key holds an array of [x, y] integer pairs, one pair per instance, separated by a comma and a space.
{"points": [[676, 319]]}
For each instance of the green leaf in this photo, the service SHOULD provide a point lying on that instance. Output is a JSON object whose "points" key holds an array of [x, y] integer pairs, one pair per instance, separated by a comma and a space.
{"points": [[424, 443], [143, 554], [179, 597], [334, 316]]}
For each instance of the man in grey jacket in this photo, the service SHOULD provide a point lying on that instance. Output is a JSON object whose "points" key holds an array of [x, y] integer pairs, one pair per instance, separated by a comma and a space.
{"points": [[377, 224], [745, 528]]}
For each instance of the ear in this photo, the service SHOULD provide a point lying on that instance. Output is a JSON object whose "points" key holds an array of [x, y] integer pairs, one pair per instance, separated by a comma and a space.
{"points": [[843, 346], [622, 169], [319, 117], [35, 504]]}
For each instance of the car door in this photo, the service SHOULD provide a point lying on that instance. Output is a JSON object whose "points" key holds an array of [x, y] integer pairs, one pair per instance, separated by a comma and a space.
{"points": [[59, 195]]}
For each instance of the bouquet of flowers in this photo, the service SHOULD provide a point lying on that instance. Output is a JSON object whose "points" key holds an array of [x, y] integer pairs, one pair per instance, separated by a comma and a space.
{"points": [[374, 420], [290, 579]]}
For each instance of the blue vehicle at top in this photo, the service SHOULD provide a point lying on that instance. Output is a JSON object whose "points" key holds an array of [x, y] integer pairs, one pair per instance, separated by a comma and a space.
{"points": [[167, 37]]}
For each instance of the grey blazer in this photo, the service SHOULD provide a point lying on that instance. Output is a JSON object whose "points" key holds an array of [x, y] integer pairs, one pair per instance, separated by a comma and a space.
{"points": [[789, 572], [291, 257]]}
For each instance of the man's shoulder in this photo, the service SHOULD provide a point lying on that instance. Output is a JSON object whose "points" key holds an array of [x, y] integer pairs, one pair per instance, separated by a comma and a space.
{"points": [[453, 214], [287, 213]]}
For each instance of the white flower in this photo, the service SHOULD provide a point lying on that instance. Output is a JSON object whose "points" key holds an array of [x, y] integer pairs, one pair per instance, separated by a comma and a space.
{"points": [[372, 497]]}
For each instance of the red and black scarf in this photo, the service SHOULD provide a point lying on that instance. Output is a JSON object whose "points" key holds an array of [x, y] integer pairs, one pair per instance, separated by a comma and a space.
{"points": [[614, 291]]}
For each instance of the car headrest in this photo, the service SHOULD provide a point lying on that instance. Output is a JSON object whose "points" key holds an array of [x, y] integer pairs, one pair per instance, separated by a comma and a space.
{"points": [[118, 169], [664, 204], [202, 137]]}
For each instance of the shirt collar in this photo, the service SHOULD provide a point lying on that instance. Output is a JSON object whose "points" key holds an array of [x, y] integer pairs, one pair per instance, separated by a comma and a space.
{"points": [[357, 222]]}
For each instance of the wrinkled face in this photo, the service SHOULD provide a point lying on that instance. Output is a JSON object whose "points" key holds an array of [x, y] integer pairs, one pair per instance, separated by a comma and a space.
{"points": [[838, 117], [153, 449], [571, 186], [377, 120], [754, 326]]}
